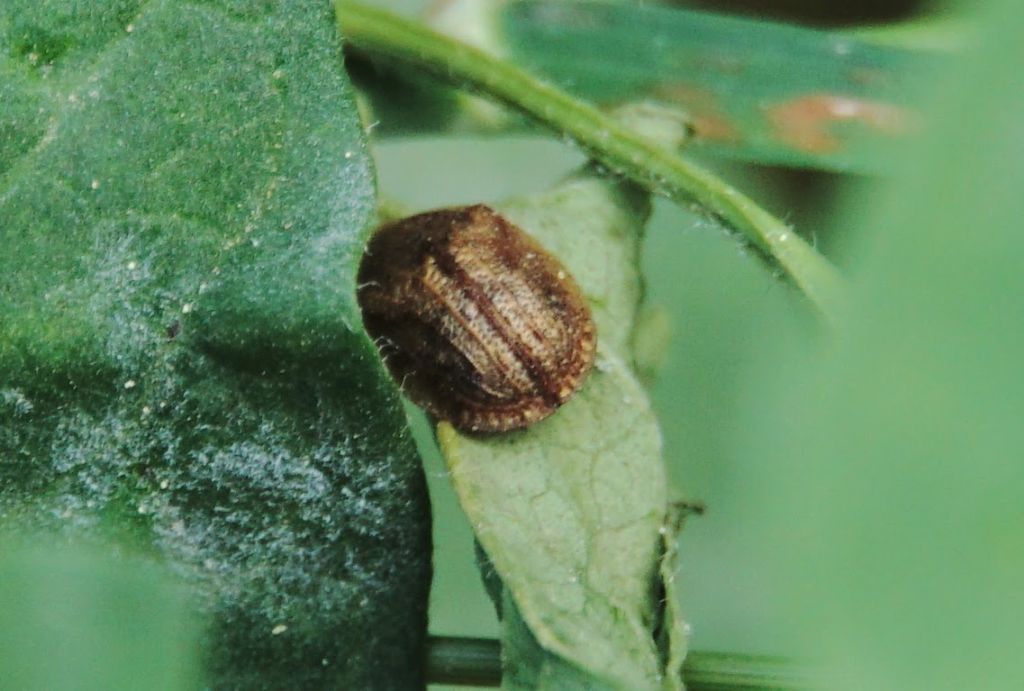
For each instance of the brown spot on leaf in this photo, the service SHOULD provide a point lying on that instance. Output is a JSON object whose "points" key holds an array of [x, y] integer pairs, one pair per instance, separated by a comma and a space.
{"points": [[805, 123]]}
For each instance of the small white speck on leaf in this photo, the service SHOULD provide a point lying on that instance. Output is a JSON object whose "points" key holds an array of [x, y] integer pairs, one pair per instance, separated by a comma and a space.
{"points": [[278, 630], [130, 384]]}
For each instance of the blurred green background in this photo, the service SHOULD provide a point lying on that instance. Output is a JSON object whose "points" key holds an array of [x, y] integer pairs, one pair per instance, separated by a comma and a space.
{"points": [[863, 490], [72, 617]]}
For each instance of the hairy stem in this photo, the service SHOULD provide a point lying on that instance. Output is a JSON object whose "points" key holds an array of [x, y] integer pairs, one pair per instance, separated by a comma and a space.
{"points": [[383, 34]]}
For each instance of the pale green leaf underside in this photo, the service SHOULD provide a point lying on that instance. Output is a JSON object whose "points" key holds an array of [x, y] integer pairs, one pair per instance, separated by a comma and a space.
{"points": [[571, 512]]}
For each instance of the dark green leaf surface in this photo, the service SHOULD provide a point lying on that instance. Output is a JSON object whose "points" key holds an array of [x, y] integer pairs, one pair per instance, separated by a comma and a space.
{"points": [[184, 194]]}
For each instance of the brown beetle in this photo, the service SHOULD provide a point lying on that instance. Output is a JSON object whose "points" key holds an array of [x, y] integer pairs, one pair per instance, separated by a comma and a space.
{"points": [[478, 323]]}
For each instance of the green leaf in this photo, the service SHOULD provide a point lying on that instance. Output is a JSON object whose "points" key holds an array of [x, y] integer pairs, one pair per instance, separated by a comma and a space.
{"points": [[72, 619], [181, 355], [571, 512], [884, 470], [756, 90], [529, 667]]}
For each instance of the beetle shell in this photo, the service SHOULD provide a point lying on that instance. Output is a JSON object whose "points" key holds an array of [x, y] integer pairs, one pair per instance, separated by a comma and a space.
{"points": [[479, 324]]}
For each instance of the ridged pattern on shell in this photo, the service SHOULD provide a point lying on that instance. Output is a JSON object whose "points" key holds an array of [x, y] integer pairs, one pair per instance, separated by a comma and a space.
{"points": [[476, 321]]}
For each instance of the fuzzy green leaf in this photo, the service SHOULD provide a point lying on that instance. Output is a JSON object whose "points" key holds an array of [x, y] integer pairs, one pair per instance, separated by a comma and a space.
{"points": [[184, 193]]}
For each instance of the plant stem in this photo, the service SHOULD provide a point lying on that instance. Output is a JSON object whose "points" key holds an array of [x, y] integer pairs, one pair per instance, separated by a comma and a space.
{"points": [[661, 171], [463, 661], [706, 671], [477, 662]]}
